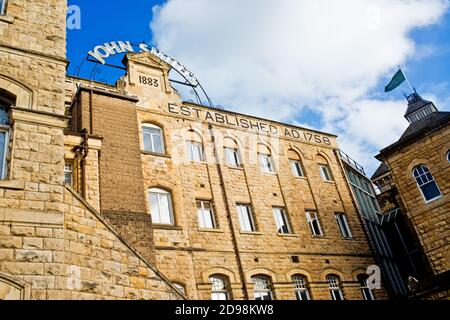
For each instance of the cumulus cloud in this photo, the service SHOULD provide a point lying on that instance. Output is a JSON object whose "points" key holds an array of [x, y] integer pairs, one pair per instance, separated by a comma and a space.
{"points": [[278, 58]]}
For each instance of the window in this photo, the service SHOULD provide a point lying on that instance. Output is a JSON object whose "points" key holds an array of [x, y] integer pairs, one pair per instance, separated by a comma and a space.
{"points": [[4, 139], [448, 156], [343, 225], [195, 151], [205, 212], [297, 169], [68, 173], [365, 290], [246, 218], [301, 287], [325, 173], [3, 7], [266, 163], [161, 207], [180, 288], [219, 289], [335, 288], [314, 223], [232, 157], [426, 183], [281, 220], [153, 138], [263, 287]]}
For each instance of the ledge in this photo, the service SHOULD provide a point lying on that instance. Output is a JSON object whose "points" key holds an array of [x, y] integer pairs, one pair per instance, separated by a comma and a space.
{"points": [[7, 19], [211, 230], [287, 235], [251, 233], [148, 153], [166, 227], [12, 184]]}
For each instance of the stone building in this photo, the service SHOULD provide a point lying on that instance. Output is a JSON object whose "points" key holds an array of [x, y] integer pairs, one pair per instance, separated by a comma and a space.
{"points": [[128, 192], [414, 182]]}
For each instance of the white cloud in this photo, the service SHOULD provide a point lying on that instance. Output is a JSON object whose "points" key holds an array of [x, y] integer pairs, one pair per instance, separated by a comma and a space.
{"points": [[274, 58]]}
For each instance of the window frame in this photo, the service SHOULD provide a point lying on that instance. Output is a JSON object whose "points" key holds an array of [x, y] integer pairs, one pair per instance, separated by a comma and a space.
{"points": [[70, 164], [364, 288], [266, 163], [301, 285], [3, 5], [211, 213], [281, 213], [310, 221], [344, 227], [294, 165], [260, 292], [236, 157], [152, 135], [334, 286], [420, 176], [215, 291], [159, 192], [5, 128], [448, 156], [195, 148], [250, 216], [328, 177]]}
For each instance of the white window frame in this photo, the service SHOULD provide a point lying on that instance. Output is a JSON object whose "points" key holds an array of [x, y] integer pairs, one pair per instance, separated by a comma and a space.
{"points": [[325, 172], [246, 219], [202, 211], [159, 193], [232, 157], [68, 169], [365, 290], [311, 217], [152, 135], [262, 287], [341, 219], [297, 168], [3, 162], [3, 4], [195, 151], [448, 156], [281, 220], [334, 285], [219, 288], [422, 184], [266, 163], [301, 286]]}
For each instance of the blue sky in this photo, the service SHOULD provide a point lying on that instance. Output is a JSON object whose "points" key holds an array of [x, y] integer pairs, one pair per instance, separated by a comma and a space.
{"points": [[322, 102]]}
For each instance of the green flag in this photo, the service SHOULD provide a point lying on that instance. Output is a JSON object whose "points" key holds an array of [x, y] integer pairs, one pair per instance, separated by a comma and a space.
{"points": [[397, 80]]}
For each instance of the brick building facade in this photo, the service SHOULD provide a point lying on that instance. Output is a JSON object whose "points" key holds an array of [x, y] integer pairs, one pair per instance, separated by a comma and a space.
{"points": [[128, 192]]}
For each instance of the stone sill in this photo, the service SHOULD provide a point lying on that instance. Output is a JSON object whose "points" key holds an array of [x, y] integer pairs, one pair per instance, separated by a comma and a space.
{"points": [[235, 168], [251, 233], [7, 19], [166, 227], [12, 184], [148, 153], [329, 182], [211, 230], [287, 235]]}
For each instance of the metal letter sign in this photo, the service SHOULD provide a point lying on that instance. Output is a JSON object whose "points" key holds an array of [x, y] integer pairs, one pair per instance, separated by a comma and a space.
{"points": [[104, 51]]}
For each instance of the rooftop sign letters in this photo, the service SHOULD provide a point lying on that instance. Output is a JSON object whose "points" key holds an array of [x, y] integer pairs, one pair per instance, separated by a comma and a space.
{"points": [[104, 51]]}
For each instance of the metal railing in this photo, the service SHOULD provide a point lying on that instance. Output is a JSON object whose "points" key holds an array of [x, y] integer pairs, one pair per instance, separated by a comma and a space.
{"points": [[345, 157]]}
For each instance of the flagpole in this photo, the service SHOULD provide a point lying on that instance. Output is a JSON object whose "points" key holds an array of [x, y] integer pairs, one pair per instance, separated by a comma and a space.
{"points": [[406, 78]]}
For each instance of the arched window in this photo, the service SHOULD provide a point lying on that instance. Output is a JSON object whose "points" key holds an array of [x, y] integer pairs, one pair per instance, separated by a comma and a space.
{"points": [[153, 138], [3, 7], [296, 164], [426, 183], [301, 287], [232, 155], [266, 162], [194, 146], [161, 206], [448, 156], [365, 290], [6, 101], [220, 287], [324, 168], [334, 285], [180, 287], [263, 287]]}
